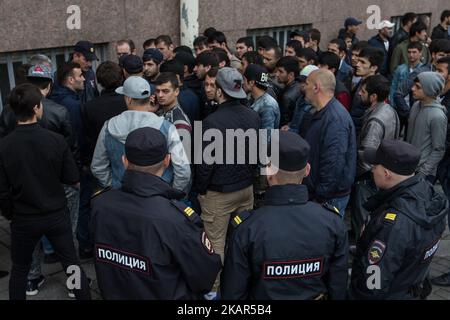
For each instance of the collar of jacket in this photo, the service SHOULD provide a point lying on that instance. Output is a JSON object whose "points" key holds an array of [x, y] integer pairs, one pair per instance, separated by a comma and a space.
{"points": [[69, 91], [109, 92], [229, 103], [147, 185], [288, 194], [384, 197], [320, 113], [26, 127]]}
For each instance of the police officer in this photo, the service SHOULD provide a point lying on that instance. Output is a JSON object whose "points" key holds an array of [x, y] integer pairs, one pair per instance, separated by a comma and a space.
{"points": [[289, 248], [148, 245], [402, 234]]}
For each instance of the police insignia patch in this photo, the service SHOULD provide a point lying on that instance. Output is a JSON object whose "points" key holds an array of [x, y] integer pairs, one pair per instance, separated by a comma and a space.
{"points": [[376, 252], [207, 243]]}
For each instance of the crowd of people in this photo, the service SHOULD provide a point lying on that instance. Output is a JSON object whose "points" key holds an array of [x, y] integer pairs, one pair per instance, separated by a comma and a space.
{"points": [[100, 165]]}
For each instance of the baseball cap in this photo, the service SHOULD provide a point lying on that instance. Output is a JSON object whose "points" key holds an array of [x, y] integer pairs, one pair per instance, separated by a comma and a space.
{"points": [[257, 73], [145, 147], [395, 155], [306, 71], [131, 63], [230, 80], [352, 22], [153, 54], [87, 49], [385, 24], [40, 71], [136, 88]]}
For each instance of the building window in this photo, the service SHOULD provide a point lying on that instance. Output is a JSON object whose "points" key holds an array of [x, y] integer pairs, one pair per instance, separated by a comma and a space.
{"points": [[281, 34], [11, 62], [398, 19]]}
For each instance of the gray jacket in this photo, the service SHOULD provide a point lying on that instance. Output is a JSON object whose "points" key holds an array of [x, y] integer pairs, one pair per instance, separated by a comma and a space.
{"points": [[427, 130], [380, 122], [120, 126]]}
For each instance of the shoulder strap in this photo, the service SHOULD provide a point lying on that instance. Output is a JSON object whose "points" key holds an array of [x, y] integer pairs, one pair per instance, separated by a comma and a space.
{"points": [[187, 211], [331, 208], [237, 220]]}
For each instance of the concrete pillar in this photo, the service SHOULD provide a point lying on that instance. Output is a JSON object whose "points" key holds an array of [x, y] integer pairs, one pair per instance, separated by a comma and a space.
{"points": [[188, 22]]}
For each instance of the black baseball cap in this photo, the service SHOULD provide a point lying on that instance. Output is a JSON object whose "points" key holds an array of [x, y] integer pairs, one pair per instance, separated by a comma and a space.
{"points": [[87, 49], [352, 22], [294, 151], [395, 155], [257, 73], [153, 54], [146, 147], [131, 63]]}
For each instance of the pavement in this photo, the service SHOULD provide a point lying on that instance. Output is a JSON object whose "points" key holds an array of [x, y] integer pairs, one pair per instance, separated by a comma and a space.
{"points": [[54, 288]]}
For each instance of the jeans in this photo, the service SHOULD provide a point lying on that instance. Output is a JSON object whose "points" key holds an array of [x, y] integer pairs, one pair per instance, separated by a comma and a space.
{"points": [[340, 204], [73, 200], [26, 232], [88, 183]]}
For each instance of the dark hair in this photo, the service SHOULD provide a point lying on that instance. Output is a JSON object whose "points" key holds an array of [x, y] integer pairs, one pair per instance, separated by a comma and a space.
{"points": [[221, 55], [165, 77], [41, 83], [308, 54], [182, 49], [218, 37], [253, 57], [148, 43], [212, 72], [266, 42], [23, 99], [440, 45], [206, 59], [163, 39], [330, 59], [21, 73], [66, 70], [374, 55], [445, 60], [408, 17], [296, 45], [315, 35], [340, 44], [445, 14], [417, 27], [415, 45], [129, 42], [173, 66], [201, 41], [378, 85], [109, 75], [209, 31], [360, 45], [186, 59], [290, 64], [248, 41]]}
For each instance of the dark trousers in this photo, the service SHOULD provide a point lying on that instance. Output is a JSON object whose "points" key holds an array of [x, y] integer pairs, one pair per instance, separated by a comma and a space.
{"points": [[26, 232], [88, 183]]}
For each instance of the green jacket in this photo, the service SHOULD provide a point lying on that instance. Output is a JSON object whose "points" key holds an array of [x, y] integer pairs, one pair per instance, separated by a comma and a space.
{"points": [[400, 55]]}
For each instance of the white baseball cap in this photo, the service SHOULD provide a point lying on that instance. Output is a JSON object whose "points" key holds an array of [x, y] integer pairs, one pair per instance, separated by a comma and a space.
{"points": [[385, 24]]}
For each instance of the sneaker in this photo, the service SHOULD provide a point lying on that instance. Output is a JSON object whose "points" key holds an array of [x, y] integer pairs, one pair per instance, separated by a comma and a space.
{"points": [[34, 285], [50, 258], [71, 294], [85, 254]]}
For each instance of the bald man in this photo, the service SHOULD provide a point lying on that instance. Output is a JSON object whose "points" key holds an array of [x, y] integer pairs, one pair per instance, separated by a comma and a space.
{"points": [[333, 143]]}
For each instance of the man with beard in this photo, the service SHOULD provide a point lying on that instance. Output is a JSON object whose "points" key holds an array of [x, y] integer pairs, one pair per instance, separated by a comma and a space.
{"points": [[382, 41], [441, 30], [152, 59]]}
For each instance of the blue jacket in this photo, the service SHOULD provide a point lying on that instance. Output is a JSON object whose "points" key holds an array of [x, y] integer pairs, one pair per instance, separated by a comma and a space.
{"points": [[332, 139], [190, 104], [377, 42], [345, 74]]}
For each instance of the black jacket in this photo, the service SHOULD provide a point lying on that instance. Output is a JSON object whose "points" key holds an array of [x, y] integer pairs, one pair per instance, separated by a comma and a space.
{"points": [[148, 245], [227, 177], [399, 36], [440, 33], [55, 118], [378, 42], [307, 242], [97, 112], [401, 238], [288, 100]]}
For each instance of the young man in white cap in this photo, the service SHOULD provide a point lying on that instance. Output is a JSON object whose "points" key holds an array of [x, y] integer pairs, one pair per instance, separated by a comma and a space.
{"points": [[382, 41], [107, 164]]}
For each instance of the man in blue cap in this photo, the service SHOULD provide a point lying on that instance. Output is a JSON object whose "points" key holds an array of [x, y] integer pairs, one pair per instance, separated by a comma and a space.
{"points": [[148, 244], [351, 26]]}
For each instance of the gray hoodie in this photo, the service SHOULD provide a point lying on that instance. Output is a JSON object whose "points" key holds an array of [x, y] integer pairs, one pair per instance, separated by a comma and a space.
{"points": [[120, 126], [427, 130]]}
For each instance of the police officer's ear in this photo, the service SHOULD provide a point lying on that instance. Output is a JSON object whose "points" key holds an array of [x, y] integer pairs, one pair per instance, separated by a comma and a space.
{"points": [[307, 170], [125, 162], [166, 161]]}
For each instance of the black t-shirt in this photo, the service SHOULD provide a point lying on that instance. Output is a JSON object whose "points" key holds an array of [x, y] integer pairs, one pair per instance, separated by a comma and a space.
{"points": [[34, 162]]}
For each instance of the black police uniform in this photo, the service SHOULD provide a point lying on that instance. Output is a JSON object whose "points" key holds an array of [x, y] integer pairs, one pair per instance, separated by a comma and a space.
{"points": [[401, 238], [288, 249], [148, 246]]}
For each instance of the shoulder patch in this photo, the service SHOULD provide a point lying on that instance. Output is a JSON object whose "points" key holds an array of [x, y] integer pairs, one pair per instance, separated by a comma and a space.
{"points": [[376, 252], [99, 192], [239, 218], [390, 216], [188, 212], [331, 208]]}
